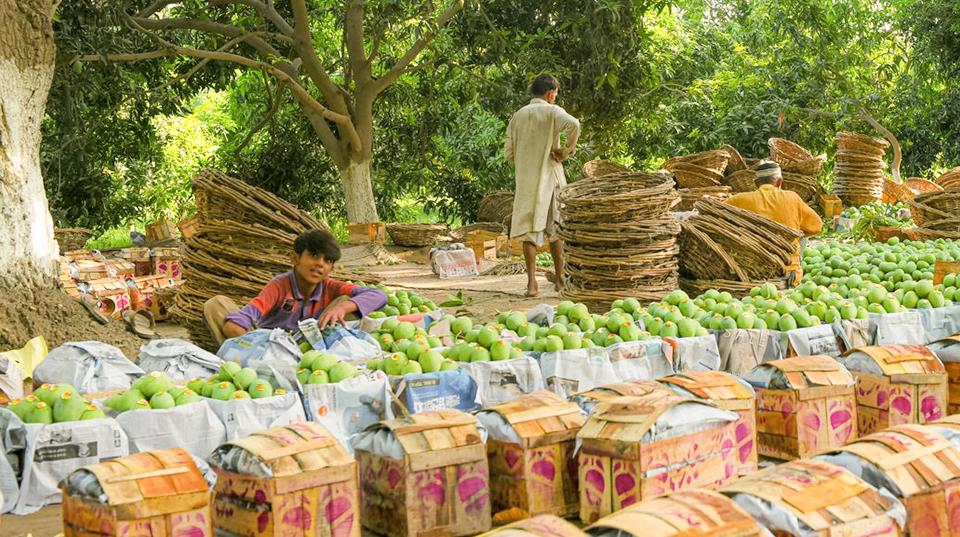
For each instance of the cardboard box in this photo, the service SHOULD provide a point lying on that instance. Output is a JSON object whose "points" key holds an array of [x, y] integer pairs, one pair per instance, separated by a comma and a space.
{"points": [[89, 270], [375, 232], [439, 487], [313, 491], [136, 255], [912, 386], [152, 493], [828, 499], [925, 467], [618, 467], [161, 230], [483, 249], [831, 205], [589, 399], [684, 514], [537, 474], [817, 412], [729, 393], [121, 268], [112, 295], [189, 226], [167, 267]]}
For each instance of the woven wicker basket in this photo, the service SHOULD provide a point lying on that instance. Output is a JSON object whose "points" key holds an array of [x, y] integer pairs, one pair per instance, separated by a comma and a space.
{"points": [[735, 161], [894, 192], [922, 186], [715, 160], [598, 168], [742, 181], [71, 238], [805, 186], [416, 235], [812, 167], [689, 196], [695, 176], [460, 234], [951, 179], [496, 207], [845, 138], [784, 151]]}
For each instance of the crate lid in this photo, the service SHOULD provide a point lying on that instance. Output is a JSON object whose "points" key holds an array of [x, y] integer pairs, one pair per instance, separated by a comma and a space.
{"points": [[295, 448], [692, 512], [538, 526], [165, 473], [540, 413], [433, 430], [712, 385], [614, 391], [916, 458], [811, 371], [821, 495], [949, 422], [901, 359], [629, 418]]}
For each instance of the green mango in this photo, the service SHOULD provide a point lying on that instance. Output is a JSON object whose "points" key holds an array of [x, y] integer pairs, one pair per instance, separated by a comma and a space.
{"points": [[162, 401], [69, 407], [92, 412], [186, 397]]}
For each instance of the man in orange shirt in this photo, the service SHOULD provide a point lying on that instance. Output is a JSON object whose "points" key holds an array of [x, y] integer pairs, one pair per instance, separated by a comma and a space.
{"points": [[782, 206]]}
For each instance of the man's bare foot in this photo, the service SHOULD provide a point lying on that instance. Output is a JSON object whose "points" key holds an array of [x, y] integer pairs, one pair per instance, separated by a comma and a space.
{"points": [[558, 285], [532, 289]]}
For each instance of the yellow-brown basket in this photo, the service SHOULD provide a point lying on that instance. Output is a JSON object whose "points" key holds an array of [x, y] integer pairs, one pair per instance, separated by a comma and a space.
{"points": [[416, 235]]}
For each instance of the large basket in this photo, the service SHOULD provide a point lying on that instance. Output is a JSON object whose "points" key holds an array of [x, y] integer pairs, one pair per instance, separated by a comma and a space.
{"points": [[460, 234], [951, 179], [784, 151], [695, 176], [716, 160], [812, 167], [852, 140], [805, 186], [598, 168], [71, 238], [922, 186], [742, 181], [496, 207], [936, 206], [689, 196], [416, 235], [894, 192], [735, 161]]}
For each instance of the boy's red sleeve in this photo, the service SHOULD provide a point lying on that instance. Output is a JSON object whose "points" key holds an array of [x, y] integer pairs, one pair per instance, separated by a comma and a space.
{"points": [[249, 315]]}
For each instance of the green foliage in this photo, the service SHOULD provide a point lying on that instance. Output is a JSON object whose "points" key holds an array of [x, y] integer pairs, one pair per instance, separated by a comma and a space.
{"points": [[116, 237]]}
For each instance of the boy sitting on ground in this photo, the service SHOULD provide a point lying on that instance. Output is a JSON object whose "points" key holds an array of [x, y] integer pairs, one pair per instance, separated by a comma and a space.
{"points": [[305, 292]]}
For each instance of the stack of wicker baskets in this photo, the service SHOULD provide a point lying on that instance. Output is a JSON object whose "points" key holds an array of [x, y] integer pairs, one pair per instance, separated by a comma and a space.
{"points": [[701, 175], [937, 214], [71, 238], [620, 240], [800, 168], [597, 168], [951, 179], [858, 170], [728, 248], [496, 207], [244, 239]]}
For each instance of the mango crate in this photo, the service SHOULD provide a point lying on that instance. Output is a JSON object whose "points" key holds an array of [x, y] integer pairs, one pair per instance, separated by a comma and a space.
{"points": [[804, 405], [538, 526], [436, 482], [729, 393], [631, 451], [589, 399], [684, 514], [818, 498], [920, 467], [152, 493], [948, 351], [531, 454], [897, 384], [310, 490]]}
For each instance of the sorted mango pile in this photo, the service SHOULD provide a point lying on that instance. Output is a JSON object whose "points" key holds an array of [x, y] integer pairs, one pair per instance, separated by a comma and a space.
{"points": [[55, 403], [316, 367], [402, 302]]}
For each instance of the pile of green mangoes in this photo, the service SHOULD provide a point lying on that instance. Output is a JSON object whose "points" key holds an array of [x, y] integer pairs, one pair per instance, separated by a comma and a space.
{"points": [[316, 367], [55, 403], [233, 382], [402, 302], [152, 391]]}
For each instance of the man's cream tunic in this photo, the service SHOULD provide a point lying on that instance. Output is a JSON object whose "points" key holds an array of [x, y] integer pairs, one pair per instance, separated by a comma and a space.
{"points": [[533, 132]]}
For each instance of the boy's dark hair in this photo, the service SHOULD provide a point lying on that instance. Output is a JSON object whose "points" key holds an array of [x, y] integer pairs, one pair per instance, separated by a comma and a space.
{"points": [[318, 243], [544, 83]]}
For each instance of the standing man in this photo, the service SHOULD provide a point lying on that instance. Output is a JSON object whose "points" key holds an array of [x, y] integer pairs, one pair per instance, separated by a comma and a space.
{"points": [[533, 145], [781, 206]]}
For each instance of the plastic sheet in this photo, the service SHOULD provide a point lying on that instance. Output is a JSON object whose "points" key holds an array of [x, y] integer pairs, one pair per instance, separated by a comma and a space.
{"points": [[89, 366], [178, 359]]}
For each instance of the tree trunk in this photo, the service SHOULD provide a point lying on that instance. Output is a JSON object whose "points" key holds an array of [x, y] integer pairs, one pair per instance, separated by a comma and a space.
{"points": [[358, 187], [27, 52]]}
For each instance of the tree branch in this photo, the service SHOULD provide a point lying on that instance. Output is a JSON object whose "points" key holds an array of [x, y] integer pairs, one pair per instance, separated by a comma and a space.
{"points": [[383, 82], [353, 35], [272, 106], [897, 151], [265, 10], [155, 7], [124, 57], [303, 43], [226, 30]]}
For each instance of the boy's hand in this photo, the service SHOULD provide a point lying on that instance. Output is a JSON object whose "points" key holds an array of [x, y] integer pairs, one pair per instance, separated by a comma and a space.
{"points": [[336, 314]]}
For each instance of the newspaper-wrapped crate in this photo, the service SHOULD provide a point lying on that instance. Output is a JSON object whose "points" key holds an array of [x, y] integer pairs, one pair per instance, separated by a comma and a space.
{"points": [[729, 393], [153, 493], [292, 480], [804, 405], [425, 474], [916, 464], [948, 351], [538, 526], [589, 400], [897, 384], [684, 514], [637, 448], [531, 451], [808, 498]]}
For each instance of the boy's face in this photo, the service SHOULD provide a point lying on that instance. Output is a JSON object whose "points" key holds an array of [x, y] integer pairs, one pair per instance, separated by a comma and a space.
{"points": [[311, 268]]}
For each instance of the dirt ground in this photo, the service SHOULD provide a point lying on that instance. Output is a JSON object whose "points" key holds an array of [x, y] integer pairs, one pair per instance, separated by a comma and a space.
{"points": [[61, 319]]}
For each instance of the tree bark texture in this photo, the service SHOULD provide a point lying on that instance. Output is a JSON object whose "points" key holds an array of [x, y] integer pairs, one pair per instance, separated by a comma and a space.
{"points": [[358, 187], [28, 254]]}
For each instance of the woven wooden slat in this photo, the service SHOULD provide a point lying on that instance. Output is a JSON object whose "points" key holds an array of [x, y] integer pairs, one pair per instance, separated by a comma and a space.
{"points": [[711, 385], [903, 359], [162, 473], [809, 371], [538, 413], [684, 514], [296, 448]]}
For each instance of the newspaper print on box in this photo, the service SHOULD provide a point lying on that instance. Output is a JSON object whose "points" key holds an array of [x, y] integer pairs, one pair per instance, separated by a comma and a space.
{"points": [[804, 405], [897, 384]]}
